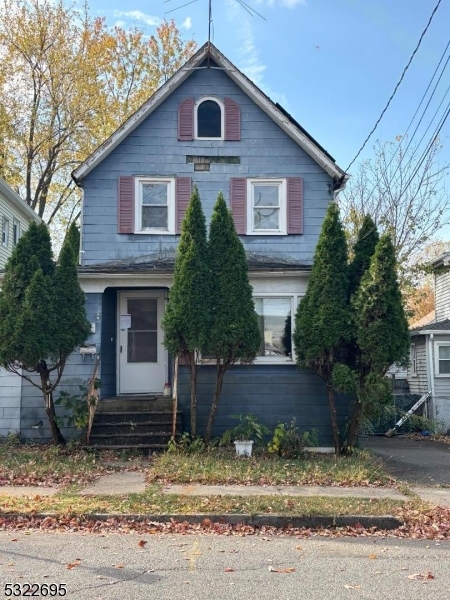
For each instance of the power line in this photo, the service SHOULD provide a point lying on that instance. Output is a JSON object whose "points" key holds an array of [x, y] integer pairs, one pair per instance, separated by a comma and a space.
{"points": [[397, 86]]}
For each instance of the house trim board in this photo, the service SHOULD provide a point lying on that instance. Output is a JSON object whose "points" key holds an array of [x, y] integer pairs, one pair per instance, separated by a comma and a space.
{"points": [[260, 99]]}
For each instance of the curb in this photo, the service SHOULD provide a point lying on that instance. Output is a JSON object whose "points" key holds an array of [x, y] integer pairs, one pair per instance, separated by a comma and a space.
{"points": [[385, 522]]}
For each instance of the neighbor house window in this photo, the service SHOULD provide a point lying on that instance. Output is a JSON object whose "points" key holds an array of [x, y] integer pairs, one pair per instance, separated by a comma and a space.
{"points": [[5, 232], [413, 359], [266, 207], [443, 359], [275, 324], [16, 231], [155, 205], [209, 119]]}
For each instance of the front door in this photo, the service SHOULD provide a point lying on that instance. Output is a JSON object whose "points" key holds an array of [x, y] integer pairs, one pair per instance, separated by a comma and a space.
{"points": [[142, 356]]}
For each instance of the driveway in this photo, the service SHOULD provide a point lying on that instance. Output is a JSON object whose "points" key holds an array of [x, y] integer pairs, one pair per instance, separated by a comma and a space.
{"points": [[416, 462]]}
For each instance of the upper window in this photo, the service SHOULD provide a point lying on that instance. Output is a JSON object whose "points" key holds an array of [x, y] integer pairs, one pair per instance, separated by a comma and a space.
{"points": [[155, 205], [442, 354], [275, 323], [16, 231], [266, 206], [209, 119], [5, 232]]}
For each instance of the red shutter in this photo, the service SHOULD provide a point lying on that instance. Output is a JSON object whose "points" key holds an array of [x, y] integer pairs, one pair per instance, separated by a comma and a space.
{"points": [[186, 120], [232, 121], [295, 205], [182, 197], [238, 203], [125, 205]]}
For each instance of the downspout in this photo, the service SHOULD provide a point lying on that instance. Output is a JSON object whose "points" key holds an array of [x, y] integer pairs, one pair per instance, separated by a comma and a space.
{"points": [[431, 374], [81, 251]]}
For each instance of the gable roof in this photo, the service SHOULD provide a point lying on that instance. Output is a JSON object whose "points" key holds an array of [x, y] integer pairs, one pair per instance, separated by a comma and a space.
{"points": [[274, 111], [437, 327], [7, 192]]}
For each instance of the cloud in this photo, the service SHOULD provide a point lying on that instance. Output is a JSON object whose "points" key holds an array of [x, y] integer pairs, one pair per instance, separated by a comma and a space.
{"points": [[138, 15], [120, 23], [187, 23], [274, 3]]}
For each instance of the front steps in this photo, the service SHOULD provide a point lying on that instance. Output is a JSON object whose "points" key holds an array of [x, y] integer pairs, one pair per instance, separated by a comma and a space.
{"points": [[134, 423]]}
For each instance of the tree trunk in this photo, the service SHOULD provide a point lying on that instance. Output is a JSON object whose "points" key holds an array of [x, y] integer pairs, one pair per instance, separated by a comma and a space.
{"points": [[353, 429], [215, 402], [57, 436], [193, 370], [334, 421]]}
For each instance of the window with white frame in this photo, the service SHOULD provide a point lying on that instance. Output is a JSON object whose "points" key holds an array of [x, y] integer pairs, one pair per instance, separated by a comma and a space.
{"points": [[155, 205], [209, 119], [16, 231], [5, 232], [442, 359], [275, 323], [413, 359], [266, 206]]}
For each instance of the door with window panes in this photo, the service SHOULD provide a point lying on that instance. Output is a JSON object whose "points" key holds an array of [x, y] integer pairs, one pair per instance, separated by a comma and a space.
{"points": [[142, 356]]}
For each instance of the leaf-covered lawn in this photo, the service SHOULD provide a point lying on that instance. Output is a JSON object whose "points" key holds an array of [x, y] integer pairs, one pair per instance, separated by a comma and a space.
{"points": [[153, 502], [45, 465], [223, 467]]}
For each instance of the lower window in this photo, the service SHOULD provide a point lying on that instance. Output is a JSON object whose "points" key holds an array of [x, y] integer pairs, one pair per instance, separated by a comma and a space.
{"points": [[443, 359], [275, 323]]}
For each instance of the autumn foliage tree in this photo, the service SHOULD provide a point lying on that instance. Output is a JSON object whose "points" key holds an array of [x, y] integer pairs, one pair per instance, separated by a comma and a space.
{"points": [[67, 81]]}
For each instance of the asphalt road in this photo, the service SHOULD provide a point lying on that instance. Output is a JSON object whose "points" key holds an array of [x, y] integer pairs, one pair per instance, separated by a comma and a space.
{"points": [[413, 461], [191, 567]]}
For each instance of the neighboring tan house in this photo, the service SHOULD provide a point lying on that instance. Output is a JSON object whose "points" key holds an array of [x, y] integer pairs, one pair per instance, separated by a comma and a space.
{"points": [[208, 126], [15, 216], [429, 369]]}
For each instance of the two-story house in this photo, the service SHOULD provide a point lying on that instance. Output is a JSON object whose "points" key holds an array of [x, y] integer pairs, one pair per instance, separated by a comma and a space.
{"points": [[15, 216], [429, 368], [208, 126]]}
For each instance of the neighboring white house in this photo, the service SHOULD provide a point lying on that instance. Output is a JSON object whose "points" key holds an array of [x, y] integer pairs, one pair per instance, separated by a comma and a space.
{"points": [[429, 369], [15, 217]]}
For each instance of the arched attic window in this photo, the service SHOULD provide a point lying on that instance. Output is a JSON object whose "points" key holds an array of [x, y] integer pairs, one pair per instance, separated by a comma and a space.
{"points": [[209, 119]]}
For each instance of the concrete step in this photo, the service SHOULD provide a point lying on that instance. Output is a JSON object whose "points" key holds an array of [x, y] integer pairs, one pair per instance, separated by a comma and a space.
{"points": [[144, 427], [104, 418], [148, 403], [131, 439]]}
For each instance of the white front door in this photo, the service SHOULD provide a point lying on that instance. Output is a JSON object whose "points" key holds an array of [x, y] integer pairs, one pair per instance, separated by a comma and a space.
{"points": [[142, 356]]}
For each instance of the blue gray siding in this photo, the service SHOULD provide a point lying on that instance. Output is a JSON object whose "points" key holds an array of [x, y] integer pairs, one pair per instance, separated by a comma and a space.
{"points": [[274, 393], [153, 149]]}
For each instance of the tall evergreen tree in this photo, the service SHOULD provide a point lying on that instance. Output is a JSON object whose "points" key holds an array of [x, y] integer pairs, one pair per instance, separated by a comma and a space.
{"points": [[72, 238], [42, 315], [381, 325], [185, 320], [322, 324], [234, 333], [363, 250]]}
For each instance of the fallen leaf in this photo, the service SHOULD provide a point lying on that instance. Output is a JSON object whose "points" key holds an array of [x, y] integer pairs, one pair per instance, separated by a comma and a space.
{"points": [[14, 540], [121, 566], [142, 543], [287, 570], [352, 587], [421, 576], [75, 563], [373, 556], [228, 570], [298, 548]]}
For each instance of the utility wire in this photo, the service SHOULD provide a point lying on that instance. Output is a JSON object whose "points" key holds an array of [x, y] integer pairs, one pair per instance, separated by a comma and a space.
{"points": [[420, 120], [397, 86]]}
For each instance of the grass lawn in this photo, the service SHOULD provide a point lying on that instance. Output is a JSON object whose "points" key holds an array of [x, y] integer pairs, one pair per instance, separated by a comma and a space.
{"points": [[33, 464], [153, 502], [223, 467]]}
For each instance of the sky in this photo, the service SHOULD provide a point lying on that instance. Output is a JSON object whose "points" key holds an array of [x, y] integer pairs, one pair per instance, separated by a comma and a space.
{"points": [[332, 64]]}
